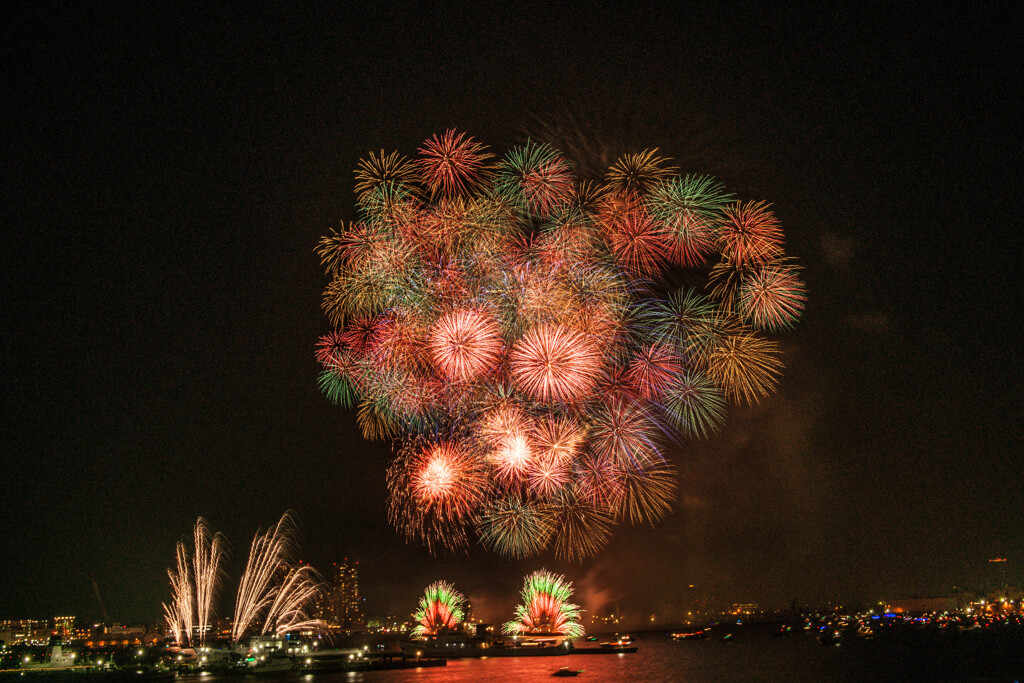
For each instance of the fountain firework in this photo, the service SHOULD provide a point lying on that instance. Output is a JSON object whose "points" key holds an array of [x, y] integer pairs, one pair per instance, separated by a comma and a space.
{"points": [[275, 591], [440, 610], [545, 607], [194, 585]]}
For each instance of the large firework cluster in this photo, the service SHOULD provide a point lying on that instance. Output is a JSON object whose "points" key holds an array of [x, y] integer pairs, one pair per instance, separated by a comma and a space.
{"points": [[524, 337]]}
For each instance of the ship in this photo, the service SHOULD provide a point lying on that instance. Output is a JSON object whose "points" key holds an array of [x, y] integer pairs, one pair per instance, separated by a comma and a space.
{"points": [[454, 646]]}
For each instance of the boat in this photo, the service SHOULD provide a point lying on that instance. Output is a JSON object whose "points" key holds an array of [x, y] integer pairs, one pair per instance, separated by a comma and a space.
{"points": [[55, 658], [457, 646], [691, 635], [274, 665], [566, 672]]}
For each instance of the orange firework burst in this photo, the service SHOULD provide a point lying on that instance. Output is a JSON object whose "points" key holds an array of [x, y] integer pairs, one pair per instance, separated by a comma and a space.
{"points": [[750, 234], [634, 174]]}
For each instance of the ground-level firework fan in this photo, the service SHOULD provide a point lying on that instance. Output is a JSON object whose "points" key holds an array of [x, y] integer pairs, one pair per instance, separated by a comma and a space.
{"points": [[545, 607], [512, 326], [274, 592], [440, 610]]}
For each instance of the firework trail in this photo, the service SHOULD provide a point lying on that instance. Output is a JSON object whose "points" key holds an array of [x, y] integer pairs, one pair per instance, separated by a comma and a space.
{"points": [[440, 610], [545, 607], [194, 585], [511, 326]]}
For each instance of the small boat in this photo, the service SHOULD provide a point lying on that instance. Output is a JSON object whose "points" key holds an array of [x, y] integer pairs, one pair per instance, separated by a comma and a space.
{"points": [[566, 672], [691, 635]]}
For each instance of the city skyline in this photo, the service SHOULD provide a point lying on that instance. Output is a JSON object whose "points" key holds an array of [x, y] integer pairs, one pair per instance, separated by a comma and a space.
{"points": [[169, 178]]}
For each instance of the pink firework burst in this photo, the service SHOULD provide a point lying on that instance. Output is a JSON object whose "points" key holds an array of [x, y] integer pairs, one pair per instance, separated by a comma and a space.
{"points": [[464, 344], [548, 475], [453, 163], [554, 363], [750, 234]]}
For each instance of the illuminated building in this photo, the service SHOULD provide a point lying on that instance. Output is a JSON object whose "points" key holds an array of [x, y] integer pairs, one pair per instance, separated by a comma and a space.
{"points": [[64, 626], [26, 631]]}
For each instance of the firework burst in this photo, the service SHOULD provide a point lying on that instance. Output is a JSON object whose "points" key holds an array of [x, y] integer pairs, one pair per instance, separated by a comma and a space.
{"points": [[555, 364], [516, 329], [452, 163], [464, 344], [515, 528]]}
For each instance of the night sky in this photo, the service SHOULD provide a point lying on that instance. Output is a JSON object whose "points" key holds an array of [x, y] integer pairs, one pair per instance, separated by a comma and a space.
{"points": [[166, 178]]}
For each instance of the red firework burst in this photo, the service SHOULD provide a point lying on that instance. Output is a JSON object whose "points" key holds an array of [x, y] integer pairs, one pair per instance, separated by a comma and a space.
{"points": [[639, 243], [453, 163], [548, 475], [772, 297], [397, 342], [653, 370], [358, 333], [464, 344], [448, 480], [554, 363], [693, 238], [328, 347], [599, 483], [547, 186], [750, 234]]}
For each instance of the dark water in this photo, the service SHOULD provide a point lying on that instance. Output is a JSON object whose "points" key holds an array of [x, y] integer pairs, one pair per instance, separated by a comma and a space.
{"points": [[749, 656]]}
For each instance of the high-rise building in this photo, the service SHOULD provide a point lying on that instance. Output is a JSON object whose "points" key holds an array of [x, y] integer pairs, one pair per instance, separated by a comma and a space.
{"points": [[341, 607], [347, 604]]}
